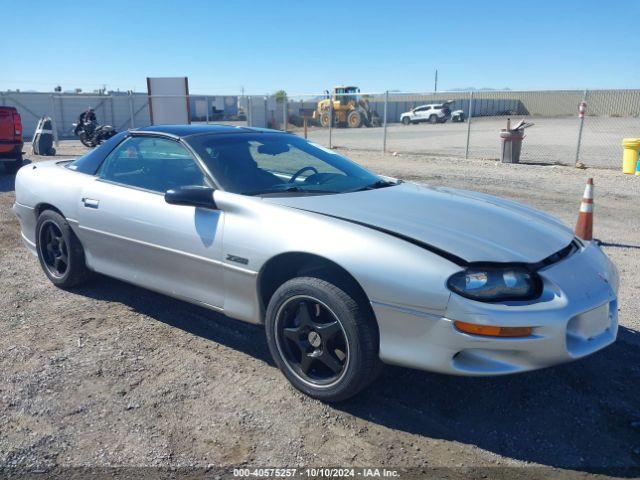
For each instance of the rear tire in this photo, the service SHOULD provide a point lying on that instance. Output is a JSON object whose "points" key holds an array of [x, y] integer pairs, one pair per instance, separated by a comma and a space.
{"points": [[406, 120], [60, 253], [86, 141], [433, 119], [322, 339], [13, 167]]}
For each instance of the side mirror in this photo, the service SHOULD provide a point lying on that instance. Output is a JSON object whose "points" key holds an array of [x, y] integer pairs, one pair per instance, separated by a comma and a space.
{"points": [[192, 196]]}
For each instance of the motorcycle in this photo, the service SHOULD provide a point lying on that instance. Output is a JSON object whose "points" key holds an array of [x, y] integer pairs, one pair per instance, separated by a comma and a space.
{"points": [[92, 135]]}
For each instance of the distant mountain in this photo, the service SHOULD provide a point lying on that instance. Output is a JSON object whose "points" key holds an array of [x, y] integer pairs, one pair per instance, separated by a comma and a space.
{"points": [[483, 89]]}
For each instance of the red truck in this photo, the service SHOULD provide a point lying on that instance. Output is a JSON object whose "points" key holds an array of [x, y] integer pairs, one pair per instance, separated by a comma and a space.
{"points": [[10, 138]]}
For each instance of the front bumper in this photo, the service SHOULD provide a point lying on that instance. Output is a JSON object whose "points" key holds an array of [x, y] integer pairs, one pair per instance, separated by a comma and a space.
{"points": [[576, 315]]}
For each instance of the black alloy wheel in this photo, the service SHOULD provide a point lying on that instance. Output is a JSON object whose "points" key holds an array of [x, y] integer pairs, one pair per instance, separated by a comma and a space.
{"points": [[312, 340], [54, 249], [60, 252], [323, 337]]}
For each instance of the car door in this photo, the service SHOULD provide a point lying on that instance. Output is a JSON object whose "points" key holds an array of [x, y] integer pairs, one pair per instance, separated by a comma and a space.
{"points": [[415, 114], [130, 232], [422, 114]]}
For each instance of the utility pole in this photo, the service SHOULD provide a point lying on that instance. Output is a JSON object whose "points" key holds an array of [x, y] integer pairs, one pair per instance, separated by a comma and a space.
{"points": [[435, 83], [243, 104]]}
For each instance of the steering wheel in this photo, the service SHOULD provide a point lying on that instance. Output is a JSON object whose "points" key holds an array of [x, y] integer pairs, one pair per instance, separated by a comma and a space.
{"points": [[300, 172], [321, 178]]}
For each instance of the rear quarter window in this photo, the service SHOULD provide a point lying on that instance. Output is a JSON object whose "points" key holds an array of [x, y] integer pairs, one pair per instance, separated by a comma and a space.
{"points": [[91, 161]]}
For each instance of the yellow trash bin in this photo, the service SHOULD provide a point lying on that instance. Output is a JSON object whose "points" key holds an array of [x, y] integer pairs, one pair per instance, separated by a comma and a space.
{"points": [[630, 155]]}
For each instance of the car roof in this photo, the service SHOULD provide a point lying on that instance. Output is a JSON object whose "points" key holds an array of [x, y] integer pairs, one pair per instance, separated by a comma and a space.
{"points": [[198, 129]]}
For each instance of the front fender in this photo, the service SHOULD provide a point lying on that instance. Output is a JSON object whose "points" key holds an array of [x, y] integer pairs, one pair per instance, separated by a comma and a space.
{"points": [[391, 271]]}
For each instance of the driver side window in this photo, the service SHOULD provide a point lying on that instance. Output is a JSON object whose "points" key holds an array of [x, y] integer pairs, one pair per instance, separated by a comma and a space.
{"points": [[151, 163]]}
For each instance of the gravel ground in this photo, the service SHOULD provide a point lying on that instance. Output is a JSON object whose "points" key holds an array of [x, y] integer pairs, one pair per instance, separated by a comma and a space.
{"points": [[114, 375], [550, 140]]}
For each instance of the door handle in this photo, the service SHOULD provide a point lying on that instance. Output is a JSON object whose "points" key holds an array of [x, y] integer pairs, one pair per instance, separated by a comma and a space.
{"points": [[90, 202]]}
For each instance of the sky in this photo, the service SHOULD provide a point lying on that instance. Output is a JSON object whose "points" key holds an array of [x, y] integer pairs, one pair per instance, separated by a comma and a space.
{"points": [[307, 47]]}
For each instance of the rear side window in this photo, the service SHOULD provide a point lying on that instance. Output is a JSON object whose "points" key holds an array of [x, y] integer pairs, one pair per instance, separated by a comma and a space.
{"points": [[90, 162], [151, 163]]}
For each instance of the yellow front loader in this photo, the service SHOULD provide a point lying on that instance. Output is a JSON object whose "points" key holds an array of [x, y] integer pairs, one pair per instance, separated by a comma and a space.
{"points": [[349, 109]]}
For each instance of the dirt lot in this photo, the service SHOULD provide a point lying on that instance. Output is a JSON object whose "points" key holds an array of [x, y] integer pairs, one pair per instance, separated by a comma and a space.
{"points": [[114, 375]]}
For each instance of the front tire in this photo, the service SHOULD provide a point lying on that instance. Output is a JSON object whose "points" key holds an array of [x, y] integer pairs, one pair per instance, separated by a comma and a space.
{"points": [[325, 119], [354, 119], [322, 339], [60, 253], [406, 120]]}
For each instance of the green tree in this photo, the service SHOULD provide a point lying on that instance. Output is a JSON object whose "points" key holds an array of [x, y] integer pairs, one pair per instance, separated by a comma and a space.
{"points": [[280, 95]]}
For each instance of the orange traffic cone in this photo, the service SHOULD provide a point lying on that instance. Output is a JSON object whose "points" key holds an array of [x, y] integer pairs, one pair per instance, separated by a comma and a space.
{"points": [[584, 227]]}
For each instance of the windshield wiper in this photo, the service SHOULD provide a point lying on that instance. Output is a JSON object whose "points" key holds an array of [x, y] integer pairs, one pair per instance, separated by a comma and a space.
{"points": [[379, 184], [293, 189], [272, 190]]}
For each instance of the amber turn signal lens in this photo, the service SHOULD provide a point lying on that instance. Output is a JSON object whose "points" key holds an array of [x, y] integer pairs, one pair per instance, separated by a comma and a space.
{"points": [[493, 331]]}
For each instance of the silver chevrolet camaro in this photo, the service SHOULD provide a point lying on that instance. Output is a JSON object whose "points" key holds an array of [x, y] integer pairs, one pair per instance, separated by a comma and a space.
{"points": [[346, 269]]}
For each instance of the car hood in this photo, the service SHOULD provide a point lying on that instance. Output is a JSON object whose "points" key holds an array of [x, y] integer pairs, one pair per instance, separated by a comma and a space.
{"points": [[472, 226]]}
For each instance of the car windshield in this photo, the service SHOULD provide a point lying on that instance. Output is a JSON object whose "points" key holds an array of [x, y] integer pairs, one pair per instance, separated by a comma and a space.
{"points": [[279, 164]]}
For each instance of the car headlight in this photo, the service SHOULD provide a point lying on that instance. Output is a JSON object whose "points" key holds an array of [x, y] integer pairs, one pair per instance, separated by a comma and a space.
{"points": [[492, 284]]}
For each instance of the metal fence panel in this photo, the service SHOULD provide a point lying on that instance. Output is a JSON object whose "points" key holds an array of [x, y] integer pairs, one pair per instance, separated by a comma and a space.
{"points": [[610, 116], [437, 139], [64, 109], [31, 107], [551, 140]]}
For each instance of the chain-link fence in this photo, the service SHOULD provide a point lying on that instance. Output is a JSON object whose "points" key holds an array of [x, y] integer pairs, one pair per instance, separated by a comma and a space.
{"points": [[121, 110], [407, 123], [472, 127]]}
